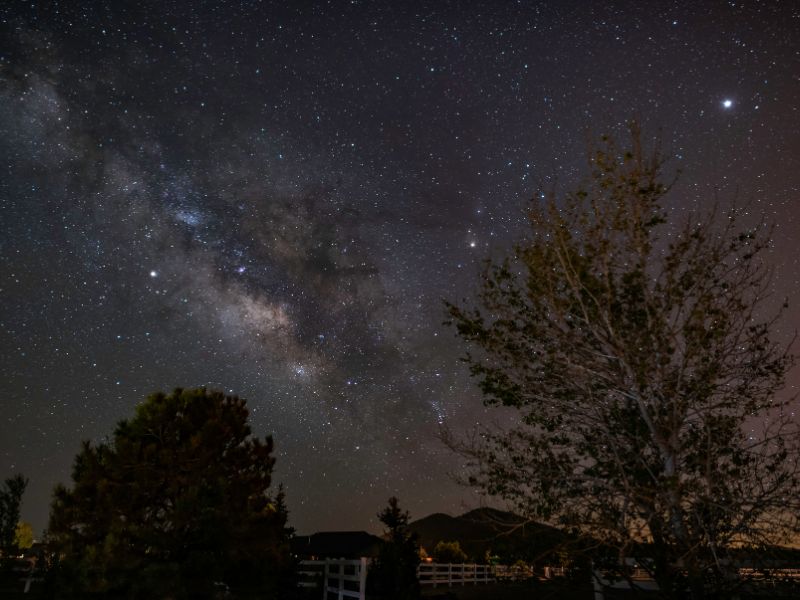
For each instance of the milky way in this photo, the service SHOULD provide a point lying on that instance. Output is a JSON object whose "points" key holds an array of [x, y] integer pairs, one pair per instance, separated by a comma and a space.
{"points": [[274, 198]]}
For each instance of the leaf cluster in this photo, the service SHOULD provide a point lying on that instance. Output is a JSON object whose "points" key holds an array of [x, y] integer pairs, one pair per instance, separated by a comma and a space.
{"points": [[449, 552]]}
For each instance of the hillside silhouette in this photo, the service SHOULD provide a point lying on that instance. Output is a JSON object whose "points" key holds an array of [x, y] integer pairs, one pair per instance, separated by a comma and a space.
{"points": [[485, 532]]}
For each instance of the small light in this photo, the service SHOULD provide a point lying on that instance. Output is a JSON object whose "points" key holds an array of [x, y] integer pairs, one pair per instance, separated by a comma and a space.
{"points": [[153, 274], [727, 103]]}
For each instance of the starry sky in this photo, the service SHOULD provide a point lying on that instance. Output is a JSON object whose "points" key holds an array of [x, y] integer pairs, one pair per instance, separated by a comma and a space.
{"points": [[274, 198]]}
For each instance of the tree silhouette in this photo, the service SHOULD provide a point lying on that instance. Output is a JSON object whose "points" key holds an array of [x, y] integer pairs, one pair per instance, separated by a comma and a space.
{"points": [[393, 575], [639, 356], [23, 535], [175, 505], [449, 552], [10, 501]]}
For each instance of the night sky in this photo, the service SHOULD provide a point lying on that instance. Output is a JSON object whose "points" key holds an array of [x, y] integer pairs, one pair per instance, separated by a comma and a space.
{"points": [[274, 198]]}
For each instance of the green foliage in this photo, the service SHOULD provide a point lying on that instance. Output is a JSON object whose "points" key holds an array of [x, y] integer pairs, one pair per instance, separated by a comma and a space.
{"points": [[10, 500], [23, 535], [449, 552], [393, 575], [638, 354], [175, 505]]}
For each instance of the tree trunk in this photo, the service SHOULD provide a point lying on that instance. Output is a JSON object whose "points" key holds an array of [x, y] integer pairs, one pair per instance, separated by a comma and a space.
{"points": [[697, 590]]}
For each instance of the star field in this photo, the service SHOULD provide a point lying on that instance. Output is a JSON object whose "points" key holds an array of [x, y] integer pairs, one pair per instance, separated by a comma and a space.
{"points": [[273, 198]]}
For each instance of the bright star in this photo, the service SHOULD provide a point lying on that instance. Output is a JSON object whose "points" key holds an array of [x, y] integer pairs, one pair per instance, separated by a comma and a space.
{"points": [[153, 274], [727, 103]]}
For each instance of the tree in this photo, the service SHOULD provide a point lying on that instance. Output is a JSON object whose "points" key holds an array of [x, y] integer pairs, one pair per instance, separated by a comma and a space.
{"points": [[282, 512], [23, 535], [639, 357], [175, 505], [10, 500], [449, 552], [393, 575]]}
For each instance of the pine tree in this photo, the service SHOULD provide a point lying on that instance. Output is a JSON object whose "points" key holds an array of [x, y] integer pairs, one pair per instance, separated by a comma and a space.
{"points": [[176, 505], [393, 576]]}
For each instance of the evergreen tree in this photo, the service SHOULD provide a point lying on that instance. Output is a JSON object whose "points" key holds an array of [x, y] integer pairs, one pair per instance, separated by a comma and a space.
{"points": [[175, 505], [393, 575]]}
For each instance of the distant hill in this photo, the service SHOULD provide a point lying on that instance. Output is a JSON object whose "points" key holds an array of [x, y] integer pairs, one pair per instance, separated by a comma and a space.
{"points": [[483, 530]]}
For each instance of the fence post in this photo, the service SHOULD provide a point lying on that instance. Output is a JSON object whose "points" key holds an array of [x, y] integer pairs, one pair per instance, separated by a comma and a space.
{"points": [[325, 582], [449, 574], [362, 579], [596, 583]]}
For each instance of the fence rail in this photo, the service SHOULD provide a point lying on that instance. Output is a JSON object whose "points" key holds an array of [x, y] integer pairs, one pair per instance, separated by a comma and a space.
{"points": [[311, 574], [436, 574], [340, 579], [769, 573]]}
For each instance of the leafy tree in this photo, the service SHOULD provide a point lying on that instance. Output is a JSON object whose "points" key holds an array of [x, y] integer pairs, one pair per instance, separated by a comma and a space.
{"points": [[393, 575], [449, 552], [23, 535], [10, 500], [175, 505], [639, 357]]}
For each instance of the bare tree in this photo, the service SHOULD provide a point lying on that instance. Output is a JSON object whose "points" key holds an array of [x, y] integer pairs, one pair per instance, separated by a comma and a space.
{"points": [[639, 355]]}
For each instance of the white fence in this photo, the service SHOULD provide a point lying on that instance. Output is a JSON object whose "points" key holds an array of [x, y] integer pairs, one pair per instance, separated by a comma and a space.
{"points": [[311, 574], [341, 579], [436, 574], [640, 578], [784, 574]]}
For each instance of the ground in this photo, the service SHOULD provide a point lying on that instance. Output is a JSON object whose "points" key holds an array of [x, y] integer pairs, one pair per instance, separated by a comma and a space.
{"points": [[512, 591]]}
